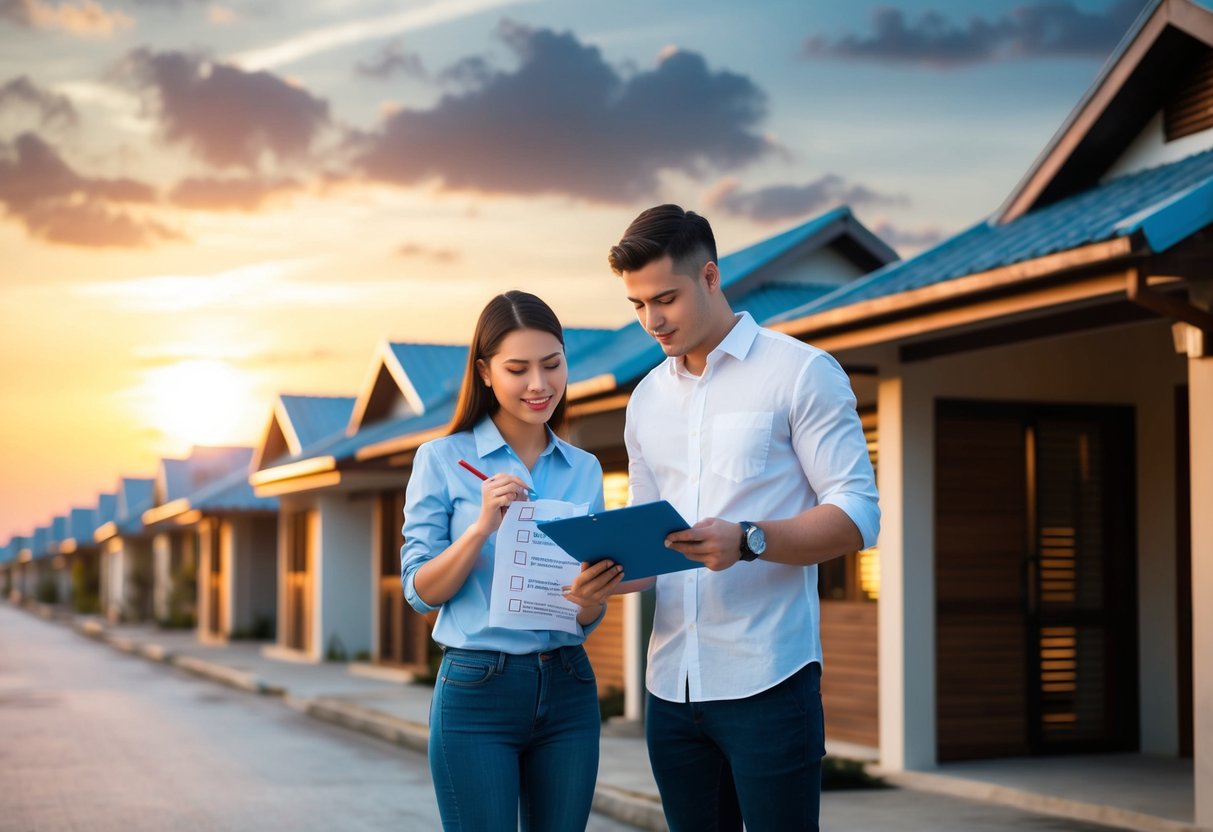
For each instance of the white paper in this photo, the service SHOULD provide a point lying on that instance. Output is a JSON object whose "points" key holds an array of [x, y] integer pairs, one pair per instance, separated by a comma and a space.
{"points": [[529, 570]]}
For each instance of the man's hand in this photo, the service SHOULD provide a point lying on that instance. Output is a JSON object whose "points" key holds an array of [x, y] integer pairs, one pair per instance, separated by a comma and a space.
{"points": [[713, 542]]}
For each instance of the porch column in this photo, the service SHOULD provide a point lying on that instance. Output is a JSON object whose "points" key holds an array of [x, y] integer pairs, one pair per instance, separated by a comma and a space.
{"points": [[1200, 425], [906, 611]]}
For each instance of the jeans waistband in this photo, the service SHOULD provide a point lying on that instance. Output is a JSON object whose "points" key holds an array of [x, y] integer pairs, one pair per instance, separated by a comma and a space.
{"points": [[565, 655]]}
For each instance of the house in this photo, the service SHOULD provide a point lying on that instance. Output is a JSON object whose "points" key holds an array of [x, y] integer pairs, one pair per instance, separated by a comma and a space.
{"points": [[774, 275], [1044, 422], [214, 545], [174, 542], [233, 537], [84, 553], [324, 529], [126, 554]]}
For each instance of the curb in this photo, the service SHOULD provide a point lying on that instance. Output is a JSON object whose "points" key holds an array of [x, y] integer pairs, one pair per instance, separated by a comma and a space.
{"points": [[1029, 801], [398, 731], [239, 679], [639, 810]]}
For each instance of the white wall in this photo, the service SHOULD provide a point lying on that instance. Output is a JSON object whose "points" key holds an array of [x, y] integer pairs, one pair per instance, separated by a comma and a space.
{"points": [[343, 573], [1150, 149]]}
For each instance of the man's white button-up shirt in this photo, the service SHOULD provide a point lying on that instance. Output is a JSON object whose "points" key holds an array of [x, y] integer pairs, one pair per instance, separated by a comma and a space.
{"points": [[768, 431]]}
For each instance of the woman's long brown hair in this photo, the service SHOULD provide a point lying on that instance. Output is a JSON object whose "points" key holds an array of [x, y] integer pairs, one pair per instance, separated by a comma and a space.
{"points": [[502, 315]]}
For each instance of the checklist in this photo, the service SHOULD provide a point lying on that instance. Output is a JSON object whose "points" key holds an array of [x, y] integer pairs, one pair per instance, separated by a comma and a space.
{"points": [[529, 570]]}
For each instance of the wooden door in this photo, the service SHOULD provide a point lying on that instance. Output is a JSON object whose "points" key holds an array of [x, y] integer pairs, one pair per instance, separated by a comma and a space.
{"points": [[297, 592], [1035, 563]]}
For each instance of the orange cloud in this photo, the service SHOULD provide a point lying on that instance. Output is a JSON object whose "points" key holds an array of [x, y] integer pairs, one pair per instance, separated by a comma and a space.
{"points": [[85, 19]]}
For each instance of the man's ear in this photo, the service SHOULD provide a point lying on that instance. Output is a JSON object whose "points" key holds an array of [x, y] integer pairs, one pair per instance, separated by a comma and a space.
{"points": [[483, 369], [711, 275]]}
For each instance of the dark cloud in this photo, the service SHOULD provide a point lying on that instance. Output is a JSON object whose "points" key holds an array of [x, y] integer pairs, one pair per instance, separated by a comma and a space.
{"points": [[566, 122], [470, 73], [1051, 28], [423, 252], [782, 202], [901, 238], [230, 194], [52, 108], [53, 202], [228, 117], [392, 60]]}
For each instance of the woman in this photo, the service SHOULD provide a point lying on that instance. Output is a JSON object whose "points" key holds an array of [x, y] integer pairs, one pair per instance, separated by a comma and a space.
{"points": [[514, 722]]}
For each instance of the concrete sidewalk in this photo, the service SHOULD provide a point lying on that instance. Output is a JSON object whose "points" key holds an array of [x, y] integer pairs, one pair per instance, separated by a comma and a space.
{"points": [[397, 711]]}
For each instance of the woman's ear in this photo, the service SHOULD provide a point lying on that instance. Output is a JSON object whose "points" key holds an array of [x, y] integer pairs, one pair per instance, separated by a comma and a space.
{"points": [[483, 369]]}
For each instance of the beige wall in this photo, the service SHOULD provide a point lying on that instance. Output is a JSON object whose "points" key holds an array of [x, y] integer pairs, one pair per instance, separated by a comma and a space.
{"points": [[1132, 365]]}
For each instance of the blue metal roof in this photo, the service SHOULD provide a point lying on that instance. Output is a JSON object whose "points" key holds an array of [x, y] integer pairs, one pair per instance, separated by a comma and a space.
{"points": [[436, 370], [107, 508], [40, 541], [312, 418], [134, 498], [744, 262], [82, 522], [182, 477], [60, 531], [229, 494], [1164, 205]]}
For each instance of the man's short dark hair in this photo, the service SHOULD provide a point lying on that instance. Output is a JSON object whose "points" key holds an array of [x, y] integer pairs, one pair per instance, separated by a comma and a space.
{"points": [[665, 230]]}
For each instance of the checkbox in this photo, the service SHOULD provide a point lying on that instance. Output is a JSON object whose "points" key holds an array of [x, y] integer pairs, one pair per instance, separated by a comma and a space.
{"points": [[526, 513], [524, 535], [516, 583], [520, 558], [515, 605]]}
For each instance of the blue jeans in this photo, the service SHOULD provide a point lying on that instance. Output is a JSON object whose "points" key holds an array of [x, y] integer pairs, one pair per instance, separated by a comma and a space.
{"points": [[514, 739], [757, 758]]}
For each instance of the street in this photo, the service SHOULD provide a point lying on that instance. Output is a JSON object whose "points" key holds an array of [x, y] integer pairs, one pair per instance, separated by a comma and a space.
{"points": [[95, 739]]}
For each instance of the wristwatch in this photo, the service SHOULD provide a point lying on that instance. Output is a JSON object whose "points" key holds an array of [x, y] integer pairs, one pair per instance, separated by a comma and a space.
{"points": [[753, 541]]}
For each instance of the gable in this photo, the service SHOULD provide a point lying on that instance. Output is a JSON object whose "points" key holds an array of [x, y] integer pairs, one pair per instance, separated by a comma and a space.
{"points": [[1156, 60]]}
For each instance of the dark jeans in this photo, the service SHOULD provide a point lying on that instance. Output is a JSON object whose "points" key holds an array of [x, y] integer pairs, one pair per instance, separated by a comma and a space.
{"points": [[514, 739], [757, 758]]}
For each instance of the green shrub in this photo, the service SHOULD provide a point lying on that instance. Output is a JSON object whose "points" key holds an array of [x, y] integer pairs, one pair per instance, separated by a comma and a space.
{"points": [[48, 590], [838, 774]]}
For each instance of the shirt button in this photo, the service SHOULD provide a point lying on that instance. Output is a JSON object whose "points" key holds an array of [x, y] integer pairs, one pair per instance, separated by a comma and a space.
{"points": [[692, 627]]}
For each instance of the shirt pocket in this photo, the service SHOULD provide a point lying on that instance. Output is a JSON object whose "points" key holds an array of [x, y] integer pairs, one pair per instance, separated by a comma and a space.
{"points": [[740, 442]]}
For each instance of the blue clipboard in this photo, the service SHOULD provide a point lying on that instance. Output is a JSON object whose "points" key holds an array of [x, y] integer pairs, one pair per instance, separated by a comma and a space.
{"points": [[633, 537]]}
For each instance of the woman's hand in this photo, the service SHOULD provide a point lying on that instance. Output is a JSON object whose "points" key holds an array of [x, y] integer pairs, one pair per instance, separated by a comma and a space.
{"points": [[496, 494], [594, 585]]}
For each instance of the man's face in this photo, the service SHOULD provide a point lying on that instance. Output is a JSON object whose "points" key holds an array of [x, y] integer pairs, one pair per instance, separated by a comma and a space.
{"points": [[673, 308]]}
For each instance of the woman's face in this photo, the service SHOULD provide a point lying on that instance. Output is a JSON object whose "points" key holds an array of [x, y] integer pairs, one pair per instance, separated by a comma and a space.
{"points": [[528, 375]]}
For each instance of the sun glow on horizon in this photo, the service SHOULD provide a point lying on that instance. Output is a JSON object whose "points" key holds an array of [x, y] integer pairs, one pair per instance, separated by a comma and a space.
{"points": [[199, 402]]}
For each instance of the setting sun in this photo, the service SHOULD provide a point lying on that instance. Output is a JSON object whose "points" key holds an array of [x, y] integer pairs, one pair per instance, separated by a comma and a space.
{"points": [[199, 402]]}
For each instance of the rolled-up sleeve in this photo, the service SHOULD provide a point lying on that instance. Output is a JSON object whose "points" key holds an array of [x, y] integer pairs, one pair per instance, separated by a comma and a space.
{"points": [[830, 444], [427, 522]]}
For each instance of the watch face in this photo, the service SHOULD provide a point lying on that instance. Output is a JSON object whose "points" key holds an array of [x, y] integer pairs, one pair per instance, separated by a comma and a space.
{"points": [[756, 540]]}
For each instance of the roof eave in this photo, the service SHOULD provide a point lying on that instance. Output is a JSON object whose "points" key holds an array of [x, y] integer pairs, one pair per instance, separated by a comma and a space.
{"points": [[858, 316]]}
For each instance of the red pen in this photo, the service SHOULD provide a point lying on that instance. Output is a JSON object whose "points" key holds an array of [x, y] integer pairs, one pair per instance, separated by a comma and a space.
{"points": [[465, 464]]}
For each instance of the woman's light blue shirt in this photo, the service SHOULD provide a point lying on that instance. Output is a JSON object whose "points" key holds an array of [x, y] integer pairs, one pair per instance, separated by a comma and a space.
{"points": [[442, 500]]}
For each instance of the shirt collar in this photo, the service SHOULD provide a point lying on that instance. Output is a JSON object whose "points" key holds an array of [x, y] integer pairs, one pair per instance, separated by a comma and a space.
{"points": [[737, 343], [489, 439]]}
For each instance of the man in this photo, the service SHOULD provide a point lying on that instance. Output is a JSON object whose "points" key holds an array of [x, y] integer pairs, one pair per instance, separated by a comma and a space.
{"points": [[754, 438]]}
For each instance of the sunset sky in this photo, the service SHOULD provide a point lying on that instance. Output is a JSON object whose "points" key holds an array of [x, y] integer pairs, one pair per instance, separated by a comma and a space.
{"points": [[204, 204]]}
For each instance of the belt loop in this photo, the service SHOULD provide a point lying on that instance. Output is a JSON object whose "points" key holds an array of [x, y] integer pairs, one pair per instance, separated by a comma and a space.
{"points": [[566, 657], [500, 662]]}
